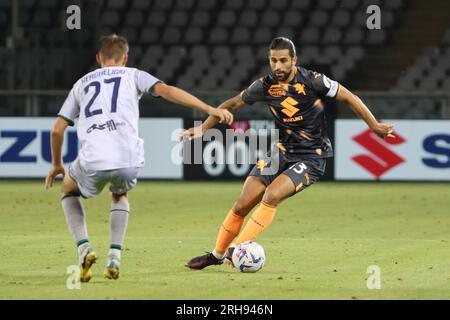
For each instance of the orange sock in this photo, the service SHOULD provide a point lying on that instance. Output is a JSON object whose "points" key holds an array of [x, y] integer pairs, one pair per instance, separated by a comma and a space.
{"points": [[259, 220], [228, 231]]}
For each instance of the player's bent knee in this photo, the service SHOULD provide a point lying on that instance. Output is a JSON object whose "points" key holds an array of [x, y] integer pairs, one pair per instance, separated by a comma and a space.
{"points": [[241, 209], [120, 197], [74, 193], [272, 197], [69, 186]]}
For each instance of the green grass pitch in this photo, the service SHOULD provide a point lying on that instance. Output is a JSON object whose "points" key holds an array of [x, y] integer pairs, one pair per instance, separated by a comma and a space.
{"points": [[318, 247]]}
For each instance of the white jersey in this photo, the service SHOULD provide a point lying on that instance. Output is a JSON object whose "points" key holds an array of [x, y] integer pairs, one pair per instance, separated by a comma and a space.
{"points": [[106, 102]]}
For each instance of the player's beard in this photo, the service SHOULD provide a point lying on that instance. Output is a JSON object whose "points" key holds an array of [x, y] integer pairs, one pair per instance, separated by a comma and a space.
{"points": [[282, 76]]}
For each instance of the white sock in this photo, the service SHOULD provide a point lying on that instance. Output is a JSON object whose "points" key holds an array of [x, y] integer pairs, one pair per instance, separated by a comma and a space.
{"points": [[219, 256], [83, 247], [75, 217], [114, 253], [118, 222]]}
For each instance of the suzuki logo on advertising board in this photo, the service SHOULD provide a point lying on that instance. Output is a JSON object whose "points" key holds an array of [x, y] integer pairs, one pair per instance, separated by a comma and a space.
{"points": [[421, 152], [381, 158], [25, 146], [438, 148], [21, 139]]}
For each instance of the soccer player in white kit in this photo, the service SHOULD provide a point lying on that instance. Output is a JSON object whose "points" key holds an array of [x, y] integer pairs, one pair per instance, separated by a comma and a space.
{"points": [[106, 103]]}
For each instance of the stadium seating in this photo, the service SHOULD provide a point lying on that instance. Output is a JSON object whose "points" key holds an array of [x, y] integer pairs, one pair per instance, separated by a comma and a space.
{"points": [[431, 70], [200, 43]]}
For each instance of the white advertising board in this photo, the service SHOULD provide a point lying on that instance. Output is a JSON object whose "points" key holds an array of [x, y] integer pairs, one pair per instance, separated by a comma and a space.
{"points": [[25, 147], [420, 151]]}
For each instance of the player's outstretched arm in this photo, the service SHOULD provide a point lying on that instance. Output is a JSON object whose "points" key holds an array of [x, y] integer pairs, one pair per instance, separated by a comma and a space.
{"points": [[179, 96], [231, 105], [381, 129], [57, 138]]}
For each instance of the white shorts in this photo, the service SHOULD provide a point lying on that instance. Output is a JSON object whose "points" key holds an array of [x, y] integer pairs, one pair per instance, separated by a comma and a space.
{"points": [[90, 183]]}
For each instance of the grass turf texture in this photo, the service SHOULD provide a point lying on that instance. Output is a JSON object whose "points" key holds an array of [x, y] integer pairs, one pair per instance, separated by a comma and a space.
{"points": [[318, 247]]}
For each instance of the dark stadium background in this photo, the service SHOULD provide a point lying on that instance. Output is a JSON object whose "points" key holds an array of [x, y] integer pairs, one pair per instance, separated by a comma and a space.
{"points": [[217, 48], [325, 241]]}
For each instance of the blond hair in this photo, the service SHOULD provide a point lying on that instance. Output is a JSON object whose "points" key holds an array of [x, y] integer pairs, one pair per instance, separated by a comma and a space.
{"points": [[113, 47]]}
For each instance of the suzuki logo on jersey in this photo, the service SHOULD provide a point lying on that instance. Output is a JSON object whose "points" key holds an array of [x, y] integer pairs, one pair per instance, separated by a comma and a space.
{"points": [[381, 158], [21, 139], [289, 106]]}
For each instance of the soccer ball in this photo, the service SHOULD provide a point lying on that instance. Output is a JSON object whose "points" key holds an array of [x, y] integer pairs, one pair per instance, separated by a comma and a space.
{"points": [[248, 257]]}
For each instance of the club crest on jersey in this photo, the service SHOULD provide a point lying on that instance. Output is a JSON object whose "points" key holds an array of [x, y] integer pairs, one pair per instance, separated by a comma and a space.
{"points": [[277, 90], [300, 88]]}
